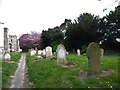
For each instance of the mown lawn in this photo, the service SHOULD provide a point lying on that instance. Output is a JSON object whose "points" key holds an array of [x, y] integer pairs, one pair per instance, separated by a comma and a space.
{"points": [[8, 68], [47, 74]]}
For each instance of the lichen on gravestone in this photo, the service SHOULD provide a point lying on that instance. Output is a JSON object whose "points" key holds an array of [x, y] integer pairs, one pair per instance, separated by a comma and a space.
{"points": [[94, 56]]}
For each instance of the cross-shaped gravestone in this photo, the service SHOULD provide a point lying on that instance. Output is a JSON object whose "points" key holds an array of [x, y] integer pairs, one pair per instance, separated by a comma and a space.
{"points": [[61, 54], [94, 55], [48, 52]]}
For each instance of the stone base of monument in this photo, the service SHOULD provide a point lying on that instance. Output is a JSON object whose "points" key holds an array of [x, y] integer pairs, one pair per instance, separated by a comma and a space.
{"points": [[84, 75]]}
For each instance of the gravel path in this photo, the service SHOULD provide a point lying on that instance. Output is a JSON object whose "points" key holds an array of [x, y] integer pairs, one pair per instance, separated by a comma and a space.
{"points": [[20, 80]]}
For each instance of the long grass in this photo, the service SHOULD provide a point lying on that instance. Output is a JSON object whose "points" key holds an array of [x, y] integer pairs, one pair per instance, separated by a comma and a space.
{"points": [[47, 74], [8, 68]]}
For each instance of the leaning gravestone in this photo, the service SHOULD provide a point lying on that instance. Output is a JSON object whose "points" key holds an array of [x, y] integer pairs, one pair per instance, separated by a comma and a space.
{"points": [[94, 55], [7, 56], [61, 54], [48, 52], [78, 52]]}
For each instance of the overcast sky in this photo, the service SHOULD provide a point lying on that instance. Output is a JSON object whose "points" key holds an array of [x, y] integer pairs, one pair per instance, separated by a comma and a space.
{"points": [[24, 16]]}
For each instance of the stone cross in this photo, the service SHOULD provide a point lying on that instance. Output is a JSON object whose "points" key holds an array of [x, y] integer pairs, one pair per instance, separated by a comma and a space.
{"points": [[48, 50], [94, 55], [61, 54], [78, 52]]}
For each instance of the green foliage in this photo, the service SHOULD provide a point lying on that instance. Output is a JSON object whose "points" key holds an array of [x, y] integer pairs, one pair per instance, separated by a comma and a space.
{"points": [[47, 74], [83, 31], [52, 37], [83, 49], [110, 30], [54, 44], [15, 56]]}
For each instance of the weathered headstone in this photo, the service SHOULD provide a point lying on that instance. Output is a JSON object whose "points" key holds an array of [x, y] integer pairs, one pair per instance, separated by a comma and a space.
{"points": [[48, 52], [94, 55], [7, 56], [78, 52], [102, 52], [32, 52], [61, 54], [39, 52]]}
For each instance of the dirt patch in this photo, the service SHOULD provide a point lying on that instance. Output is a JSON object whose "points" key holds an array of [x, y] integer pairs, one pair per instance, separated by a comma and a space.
{"points": [[84, 75], [68, 64]]}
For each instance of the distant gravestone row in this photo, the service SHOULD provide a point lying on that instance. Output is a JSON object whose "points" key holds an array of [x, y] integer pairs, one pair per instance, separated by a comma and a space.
{"points": [[94, 54]]}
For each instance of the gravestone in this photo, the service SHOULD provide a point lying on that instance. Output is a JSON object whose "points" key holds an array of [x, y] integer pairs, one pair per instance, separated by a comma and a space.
{"points": [[43, 52], [67, 52], [61, 54], [94, 55], [39, 52], [78, 52], [102, 52], [1, 56], [48, 52], [7, 56], [32, 52]]}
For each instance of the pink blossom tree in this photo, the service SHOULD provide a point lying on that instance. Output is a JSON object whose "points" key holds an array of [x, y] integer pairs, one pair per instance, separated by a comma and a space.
{"points": [[28, 41]]}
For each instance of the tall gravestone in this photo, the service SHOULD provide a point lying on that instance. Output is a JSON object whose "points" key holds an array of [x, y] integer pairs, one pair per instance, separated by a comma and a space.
{"points": [[48, 52], [94, 55], [61, 54], [78, 52]]}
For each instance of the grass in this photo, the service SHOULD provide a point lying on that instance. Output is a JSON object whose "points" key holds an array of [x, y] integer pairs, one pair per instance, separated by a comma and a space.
{"points": [[8, 68], [47, 74]]}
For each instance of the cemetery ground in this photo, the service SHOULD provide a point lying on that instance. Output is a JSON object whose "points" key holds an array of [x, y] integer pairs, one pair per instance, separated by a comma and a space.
{"points": [[8, 68], [46, 73]]}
